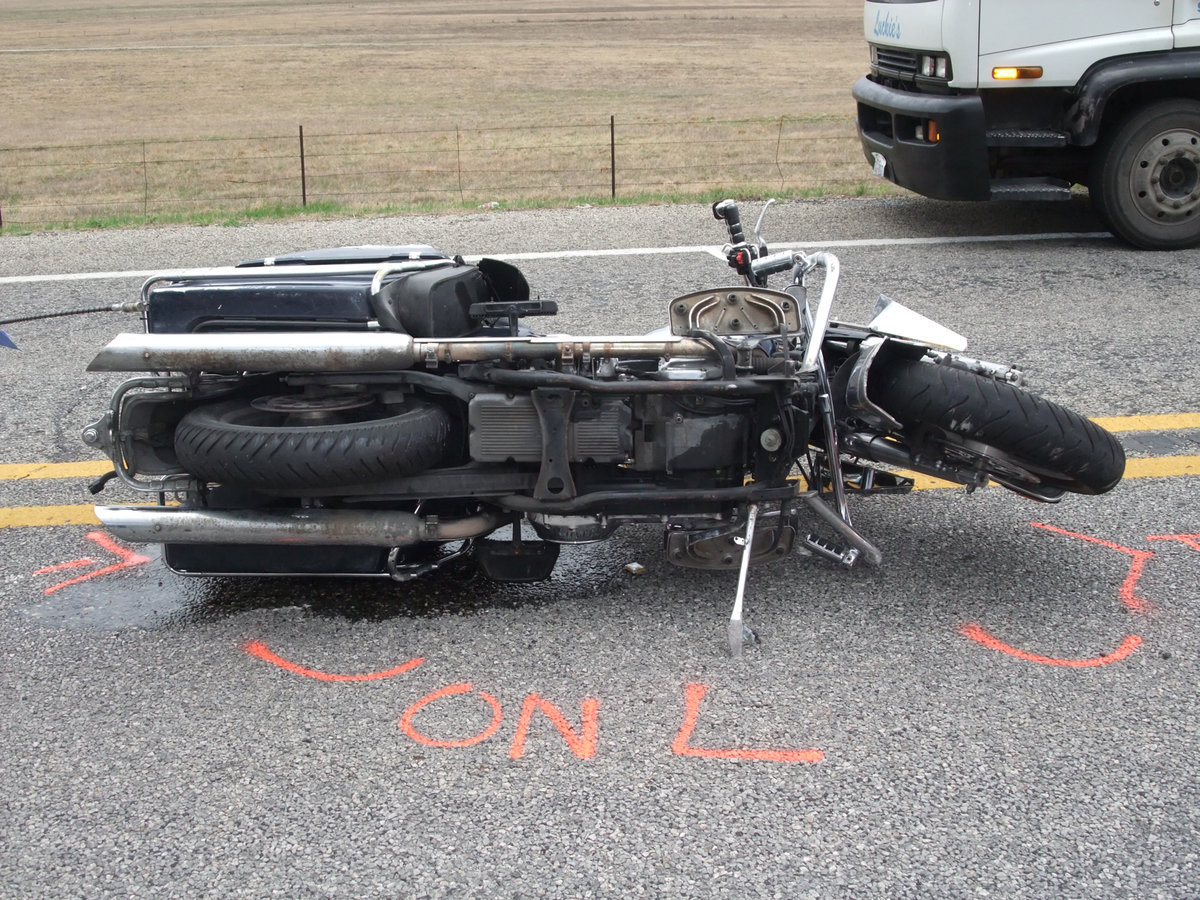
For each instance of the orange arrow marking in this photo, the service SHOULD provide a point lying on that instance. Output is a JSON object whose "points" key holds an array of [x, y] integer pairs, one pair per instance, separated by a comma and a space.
{"points": [[128, 559]]}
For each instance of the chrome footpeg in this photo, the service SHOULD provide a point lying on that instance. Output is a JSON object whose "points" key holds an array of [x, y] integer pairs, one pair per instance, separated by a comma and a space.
{"points": [[847, 556]]}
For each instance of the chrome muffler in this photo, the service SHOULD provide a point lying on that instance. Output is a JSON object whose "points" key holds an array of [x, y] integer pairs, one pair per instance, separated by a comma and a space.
{"points": [[233, 352], [313, 527]]}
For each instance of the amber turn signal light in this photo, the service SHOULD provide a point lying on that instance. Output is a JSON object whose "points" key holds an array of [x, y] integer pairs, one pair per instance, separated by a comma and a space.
{"points": [[1011, 73]]}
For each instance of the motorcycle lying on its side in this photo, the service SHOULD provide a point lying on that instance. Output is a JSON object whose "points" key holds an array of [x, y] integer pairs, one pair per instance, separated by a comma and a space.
{"points": [[383, 410]]}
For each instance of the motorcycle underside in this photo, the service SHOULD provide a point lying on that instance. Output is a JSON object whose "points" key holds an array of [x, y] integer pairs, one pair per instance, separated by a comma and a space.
{"points": [[258, 488]]}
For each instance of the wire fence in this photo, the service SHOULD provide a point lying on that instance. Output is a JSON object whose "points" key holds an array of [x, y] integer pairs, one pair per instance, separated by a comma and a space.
{"points": [[454, 166]]}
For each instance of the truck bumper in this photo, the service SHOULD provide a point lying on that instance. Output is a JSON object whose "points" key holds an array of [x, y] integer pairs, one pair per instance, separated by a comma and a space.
{"points": [[955, 167]]}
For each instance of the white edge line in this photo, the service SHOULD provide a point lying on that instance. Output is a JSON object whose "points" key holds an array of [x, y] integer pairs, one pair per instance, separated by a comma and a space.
{"points": [[712, 249]]}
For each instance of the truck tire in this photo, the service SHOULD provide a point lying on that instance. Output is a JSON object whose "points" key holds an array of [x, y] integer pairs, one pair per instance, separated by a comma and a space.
{"points": [[1145, 176], [1019, 439], [236, 444]]}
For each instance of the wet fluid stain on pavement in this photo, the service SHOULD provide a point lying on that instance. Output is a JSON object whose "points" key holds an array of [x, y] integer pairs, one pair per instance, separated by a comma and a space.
{"points": [[149, 595]]}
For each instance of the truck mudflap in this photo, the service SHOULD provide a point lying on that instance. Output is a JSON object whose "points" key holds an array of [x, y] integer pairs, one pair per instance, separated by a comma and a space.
{"points": [[953, 167]]}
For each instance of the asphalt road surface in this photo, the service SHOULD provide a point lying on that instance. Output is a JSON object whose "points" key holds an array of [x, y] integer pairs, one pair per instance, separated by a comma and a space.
{"points": [[1007, 707]]}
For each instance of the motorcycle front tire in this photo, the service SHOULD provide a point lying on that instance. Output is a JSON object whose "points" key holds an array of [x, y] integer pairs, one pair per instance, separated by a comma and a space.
{"points": [[1033, 441], [234, 443]]}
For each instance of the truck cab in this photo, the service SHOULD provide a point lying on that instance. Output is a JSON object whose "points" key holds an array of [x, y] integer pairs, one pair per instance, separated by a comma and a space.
{"points": [[1021, 99]]}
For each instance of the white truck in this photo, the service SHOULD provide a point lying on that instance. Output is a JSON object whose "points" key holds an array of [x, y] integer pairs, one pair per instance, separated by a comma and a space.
{"points": [[1021, 99]]}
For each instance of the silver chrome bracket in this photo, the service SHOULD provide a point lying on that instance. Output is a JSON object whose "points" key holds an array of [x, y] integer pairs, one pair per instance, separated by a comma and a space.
{"points": [[403, 572], [737, 628], [115, 438]]}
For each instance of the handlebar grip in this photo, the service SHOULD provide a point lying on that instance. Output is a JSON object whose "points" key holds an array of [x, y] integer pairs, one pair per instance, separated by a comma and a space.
{"points": [[773, 264], [728, 211]]}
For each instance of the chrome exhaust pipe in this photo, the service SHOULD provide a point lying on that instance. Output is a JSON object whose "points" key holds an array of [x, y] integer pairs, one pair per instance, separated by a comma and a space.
{"points": [[357, 351], [324, 527], [233, 352]]}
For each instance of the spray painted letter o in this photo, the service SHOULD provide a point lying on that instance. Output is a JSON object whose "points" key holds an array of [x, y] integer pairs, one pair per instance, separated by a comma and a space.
{"points": [[464, 687]]}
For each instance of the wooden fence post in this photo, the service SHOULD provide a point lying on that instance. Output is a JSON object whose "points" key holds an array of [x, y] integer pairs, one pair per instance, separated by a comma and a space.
{"points": [[145, 184], [458, 162], [612, 153], [303, 174]]}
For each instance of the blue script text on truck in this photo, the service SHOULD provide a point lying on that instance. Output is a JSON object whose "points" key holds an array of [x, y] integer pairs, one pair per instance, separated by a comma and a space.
{"points": [[1020, 99]]}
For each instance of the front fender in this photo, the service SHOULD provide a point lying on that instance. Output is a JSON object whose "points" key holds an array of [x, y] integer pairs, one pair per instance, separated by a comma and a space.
{"points": [[893, 319], [1104, 79], [896, 328]]}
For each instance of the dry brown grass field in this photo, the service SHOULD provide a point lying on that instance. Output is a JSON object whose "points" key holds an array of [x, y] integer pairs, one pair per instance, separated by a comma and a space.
{"points": [[156, 107]]}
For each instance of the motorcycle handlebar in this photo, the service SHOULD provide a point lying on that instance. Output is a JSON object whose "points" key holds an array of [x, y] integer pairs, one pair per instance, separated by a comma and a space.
{"points": [[773, 264], [727, 211]]}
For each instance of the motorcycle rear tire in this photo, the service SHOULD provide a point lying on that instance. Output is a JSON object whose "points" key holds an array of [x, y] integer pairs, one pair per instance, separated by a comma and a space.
{"points": [[1063, 450], [228, 443]]}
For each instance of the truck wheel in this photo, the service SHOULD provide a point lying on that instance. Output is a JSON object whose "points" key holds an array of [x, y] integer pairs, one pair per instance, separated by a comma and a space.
{"points": [[1145, 177]]}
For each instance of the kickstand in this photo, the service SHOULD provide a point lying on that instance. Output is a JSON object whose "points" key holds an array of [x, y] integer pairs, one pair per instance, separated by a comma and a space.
{"points": [[737, 630]]}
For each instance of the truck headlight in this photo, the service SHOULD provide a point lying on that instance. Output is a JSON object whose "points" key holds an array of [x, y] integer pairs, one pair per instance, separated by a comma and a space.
{"points": [[933, 65]]}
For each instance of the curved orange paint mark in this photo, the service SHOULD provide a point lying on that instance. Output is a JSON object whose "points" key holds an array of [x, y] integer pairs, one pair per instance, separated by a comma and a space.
{"points": [[582, 745], [1191, 540], [463, 687], [694, 694], [1128, 594], [977, 634], [259, 649]]}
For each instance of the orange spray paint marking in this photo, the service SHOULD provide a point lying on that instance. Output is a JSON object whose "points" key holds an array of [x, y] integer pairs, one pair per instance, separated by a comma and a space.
{"points": [[1132, 601], [73, 564], [1191, 540], [259, 649], [582, 745], [694, 694], [977, 634], [128, 559], [464, 687], [1128, 595]]}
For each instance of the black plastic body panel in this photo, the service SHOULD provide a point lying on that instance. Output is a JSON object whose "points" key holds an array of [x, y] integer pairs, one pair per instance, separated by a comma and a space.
{"points": [[954, 168], [290, 302], [434, 302]]}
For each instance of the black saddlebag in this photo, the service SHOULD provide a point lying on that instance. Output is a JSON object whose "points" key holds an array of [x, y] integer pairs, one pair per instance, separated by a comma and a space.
{"points": [[308, 296], [269, 299], [296, 303]]}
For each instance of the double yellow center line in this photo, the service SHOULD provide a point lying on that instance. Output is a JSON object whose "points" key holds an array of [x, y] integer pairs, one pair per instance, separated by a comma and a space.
{"points": [[34, 516]]}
